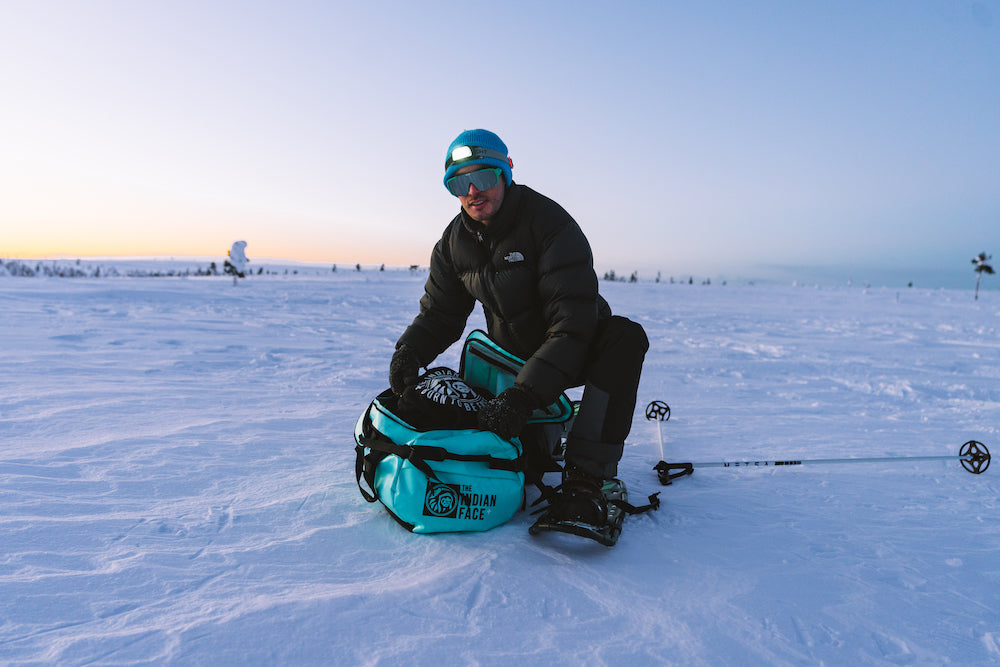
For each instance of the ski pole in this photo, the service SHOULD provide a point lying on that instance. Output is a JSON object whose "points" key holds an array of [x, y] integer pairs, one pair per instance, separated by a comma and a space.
{"points": [[974, 455], [659, 412]]}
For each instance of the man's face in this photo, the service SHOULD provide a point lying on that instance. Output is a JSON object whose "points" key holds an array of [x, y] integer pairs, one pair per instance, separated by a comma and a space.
{"points": [[481, 205]]}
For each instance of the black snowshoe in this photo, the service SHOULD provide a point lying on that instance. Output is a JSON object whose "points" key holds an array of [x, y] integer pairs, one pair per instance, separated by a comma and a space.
{"points": [[588, 507]]}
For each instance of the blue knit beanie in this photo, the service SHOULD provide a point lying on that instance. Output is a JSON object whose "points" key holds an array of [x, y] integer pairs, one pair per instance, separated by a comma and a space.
{"points": [[477, 147]]}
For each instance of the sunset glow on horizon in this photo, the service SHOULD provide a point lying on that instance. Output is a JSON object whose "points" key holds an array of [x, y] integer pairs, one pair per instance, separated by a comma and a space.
{"points": [[684, 138]]}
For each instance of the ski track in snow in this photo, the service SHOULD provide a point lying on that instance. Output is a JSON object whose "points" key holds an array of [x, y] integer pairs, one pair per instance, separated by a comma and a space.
{"points": [[177, 485]]}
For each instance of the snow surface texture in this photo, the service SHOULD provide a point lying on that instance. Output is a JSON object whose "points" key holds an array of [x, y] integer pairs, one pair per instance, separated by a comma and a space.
{"points": [[177, 485]]}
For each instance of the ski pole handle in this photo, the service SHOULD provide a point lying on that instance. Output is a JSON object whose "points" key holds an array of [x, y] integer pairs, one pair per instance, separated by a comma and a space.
{"points": [[660, 412]]}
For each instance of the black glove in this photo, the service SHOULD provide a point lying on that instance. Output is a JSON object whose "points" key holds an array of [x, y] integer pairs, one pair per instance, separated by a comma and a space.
{"points": [[403, 369], [506, 414]]}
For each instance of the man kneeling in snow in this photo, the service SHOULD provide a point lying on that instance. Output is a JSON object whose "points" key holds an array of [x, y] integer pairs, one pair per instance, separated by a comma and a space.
{"points": [[527, 261]]}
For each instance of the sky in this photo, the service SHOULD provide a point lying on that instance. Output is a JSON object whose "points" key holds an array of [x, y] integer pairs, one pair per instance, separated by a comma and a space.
{"points": [[716, 139]]}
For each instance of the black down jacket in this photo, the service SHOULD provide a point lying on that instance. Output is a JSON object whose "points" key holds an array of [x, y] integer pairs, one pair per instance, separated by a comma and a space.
{"points": [[533, 271]]}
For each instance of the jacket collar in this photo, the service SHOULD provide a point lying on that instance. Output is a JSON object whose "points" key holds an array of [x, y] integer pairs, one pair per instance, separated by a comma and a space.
{"points": [[504, 220]]}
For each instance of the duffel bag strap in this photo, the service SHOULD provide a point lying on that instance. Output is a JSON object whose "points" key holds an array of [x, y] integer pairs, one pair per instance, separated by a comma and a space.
{"points": [[367, 458], [384, 446], [373, 446], [379, 446], [418, 454], [431, 453], [364, 468]]}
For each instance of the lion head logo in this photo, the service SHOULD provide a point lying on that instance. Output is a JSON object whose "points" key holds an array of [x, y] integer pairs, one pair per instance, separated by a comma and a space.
{"points": [[441, 500]]}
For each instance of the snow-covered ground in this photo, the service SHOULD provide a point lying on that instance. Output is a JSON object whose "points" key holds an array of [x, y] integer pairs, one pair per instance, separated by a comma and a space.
{"points": [[177, 485]]}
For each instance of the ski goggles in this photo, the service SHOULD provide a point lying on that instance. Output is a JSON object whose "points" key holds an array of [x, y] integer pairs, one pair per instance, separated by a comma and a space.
{"points": [[482, 179]]}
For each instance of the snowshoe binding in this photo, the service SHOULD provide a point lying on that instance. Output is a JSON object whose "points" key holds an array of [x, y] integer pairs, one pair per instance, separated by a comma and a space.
{"points": [[589, 507]]}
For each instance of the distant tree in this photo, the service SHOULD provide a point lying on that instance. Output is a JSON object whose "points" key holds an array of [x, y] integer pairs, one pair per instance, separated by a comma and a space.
{"points": [[357, 267], [236, 264], [982, 267]]}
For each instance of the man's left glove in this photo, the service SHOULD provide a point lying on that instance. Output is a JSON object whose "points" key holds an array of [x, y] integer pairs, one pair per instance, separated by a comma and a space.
{"points": [[403, 369], [506, 414]]}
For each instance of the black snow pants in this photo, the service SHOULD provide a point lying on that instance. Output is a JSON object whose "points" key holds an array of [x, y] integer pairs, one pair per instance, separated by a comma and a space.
{"points": [[611, 381]]}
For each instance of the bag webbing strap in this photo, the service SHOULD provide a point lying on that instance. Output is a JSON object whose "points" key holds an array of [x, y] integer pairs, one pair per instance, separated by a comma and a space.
{"points": [[419, 454], [380, 446], [364, 468]]}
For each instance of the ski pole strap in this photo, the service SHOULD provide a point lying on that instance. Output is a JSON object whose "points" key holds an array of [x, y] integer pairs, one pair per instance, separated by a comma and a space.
{"points": [[665, 472]]}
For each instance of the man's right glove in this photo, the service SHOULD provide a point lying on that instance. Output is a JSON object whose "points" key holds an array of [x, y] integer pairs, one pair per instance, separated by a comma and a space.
{"points": [[506, 414], [403, 369]]}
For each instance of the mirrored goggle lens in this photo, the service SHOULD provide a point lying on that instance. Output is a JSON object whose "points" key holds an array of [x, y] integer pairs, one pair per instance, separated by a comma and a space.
{"points": [[484, 179]]}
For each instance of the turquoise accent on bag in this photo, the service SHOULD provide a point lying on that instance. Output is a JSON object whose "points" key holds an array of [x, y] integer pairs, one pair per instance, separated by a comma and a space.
{"points": [[436, 481], [487, 366]]}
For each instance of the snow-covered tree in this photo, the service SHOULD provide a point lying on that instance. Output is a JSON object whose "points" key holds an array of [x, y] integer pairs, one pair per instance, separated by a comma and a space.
{"points": [[237, 262], [982, 267]]}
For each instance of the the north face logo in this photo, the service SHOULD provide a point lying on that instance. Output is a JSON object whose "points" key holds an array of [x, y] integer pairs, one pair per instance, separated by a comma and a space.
{"points": [[514, 257], [441, 499], [454, 501]]}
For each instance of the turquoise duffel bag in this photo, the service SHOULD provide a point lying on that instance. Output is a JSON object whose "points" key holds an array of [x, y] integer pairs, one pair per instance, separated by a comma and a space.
{"points": [[439, 480], [420, 456]]}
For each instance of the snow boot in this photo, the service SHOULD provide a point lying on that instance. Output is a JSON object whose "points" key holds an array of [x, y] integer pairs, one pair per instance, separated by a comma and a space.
{"points": [[589, 507]]}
